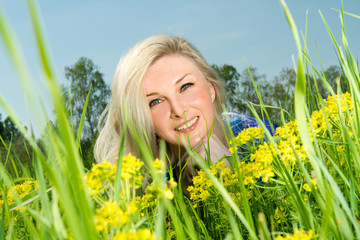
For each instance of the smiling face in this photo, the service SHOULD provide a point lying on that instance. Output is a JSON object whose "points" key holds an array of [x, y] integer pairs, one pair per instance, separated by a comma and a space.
{"points": [[180, 100]]}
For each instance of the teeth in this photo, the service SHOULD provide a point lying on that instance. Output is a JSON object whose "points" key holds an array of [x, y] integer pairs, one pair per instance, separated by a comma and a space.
{"points": [[189, 124]]}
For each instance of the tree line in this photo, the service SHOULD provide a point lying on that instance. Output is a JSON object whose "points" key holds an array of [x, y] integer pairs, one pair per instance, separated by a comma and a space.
{"points": [[276, 93], [85, 83]]}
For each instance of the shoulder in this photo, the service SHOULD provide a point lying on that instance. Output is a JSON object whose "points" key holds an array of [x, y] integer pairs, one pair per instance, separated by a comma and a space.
{"points": [[240, 121]]}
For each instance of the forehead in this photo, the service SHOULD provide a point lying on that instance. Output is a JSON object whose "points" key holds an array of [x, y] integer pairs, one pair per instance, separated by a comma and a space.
{"points": [[170, 68], [173, 62]]}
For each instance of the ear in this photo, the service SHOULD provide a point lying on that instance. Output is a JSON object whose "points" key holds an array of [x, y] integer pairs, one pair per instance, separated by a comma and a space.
{"points": [[212, 92]]}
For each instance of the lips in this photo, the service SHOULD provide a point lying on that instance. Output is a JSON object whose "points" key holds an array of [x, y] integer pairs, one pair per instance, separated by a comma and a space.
{"points": [[189, 125]]}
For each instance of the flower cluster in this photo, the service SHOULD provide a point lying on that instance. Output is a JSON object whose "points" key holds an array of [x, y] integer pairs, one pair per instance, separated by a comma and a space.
{"points": [[259, 166], [289, 148], [298, 235], [307, 187], [202, 188], [99, 175], [103, 173], [109, 215], [158, 165], [247, 136], [290, 139], [117, 217], [328, 118], [280, 215], [334, 121], [139, 234], [20, 190], [146, 202], [111, 219], [131, 170]]}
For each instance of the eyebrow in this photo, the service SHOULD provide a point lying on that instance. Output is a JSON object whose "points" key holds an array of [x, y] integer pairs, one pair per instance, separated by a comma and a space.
{"points": [[177, 82]]}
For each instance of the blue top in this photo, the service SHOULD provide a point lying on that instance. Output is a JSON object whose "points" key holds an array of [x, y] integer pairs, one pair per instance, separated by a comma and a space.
{"points": [[241, 121]]}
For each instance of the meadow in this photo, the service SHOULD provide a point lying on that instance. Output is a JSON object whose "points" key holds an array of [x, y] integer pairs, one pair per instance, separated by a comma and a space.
{"points": [[300, 183]]}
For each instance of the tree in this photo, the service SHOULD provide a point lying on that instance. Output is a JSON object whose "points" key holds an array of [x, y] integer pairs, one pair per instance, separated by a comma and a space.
{"points": [[82, 76], [333, 73], [231, 77], [8, 130], [2, 129], [248, 94], [284, 87], [282, 94], [15, 144]]}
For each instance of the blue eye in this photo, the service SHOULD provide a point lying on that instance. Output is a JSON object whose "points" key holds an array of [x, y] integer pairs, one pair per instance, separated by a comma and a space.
{"points": [[154, 102], [185, 86]]}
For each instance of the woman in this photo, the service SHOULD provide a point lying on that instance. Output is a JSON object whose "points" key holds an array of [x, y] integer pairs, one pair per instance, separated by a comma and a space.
{"points": [[169, 92]]}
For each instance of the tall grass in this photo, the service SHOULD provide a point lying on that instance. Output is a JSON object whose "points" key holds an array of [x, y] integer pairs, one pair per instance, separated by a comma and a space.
{"points": [[301, 182]]}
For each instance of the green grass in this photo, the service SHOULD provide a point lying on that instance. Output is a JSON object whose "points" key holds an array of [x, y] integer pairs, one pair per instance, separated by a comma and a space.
{"points": [[306, 177]]}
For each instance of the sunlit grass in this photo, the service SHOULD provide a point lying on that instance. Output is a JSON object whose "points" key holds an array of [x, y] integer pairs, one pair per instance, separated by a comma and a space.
{"points": [[303, 181]]}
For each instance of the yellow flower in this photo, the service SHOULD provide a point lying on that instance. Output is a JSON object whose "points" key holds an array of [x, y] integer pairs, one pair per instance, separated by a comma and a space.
{"points": [[169, 194], [20, 190], [131, 207], [233, 148], [305, 198], [109, 215], [202, 188], [259, 165], [131, 170], [21, 209], [104, 173], [172, 183], [314, 183], [280, 215], [140, 234], [148, 200], [158, 164], [245, 136], [99, 175], [307, 186], [24, 188], [298, 235]]}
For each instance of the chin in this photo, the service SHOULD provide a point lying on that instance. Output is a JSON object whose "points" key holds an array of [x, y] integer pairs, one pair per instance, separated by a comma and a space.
{"points": [[195, 141], [186, 143]]}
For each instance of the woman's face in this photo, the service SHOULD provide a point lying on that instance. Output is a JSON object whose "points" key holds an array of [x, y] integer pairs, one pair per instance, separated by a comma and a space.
{"points": [[180, 100]]}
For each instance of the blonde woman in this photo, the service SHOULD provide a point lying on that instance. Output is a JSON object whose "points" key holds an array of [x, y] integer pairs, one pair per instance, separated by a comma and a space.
{"points": [[168, 92]]}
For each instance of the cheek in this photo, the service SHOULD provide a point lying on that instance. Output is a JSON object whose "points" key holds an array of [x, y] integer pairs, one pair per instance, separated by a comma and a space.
{"points": [[202, 99], [155, 116], [159, 119]]}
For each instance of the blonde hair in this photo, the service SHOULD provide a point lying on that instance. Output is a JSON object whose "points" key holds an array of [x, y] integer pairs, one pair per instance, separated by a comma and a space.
{"points": [[128, 94]]}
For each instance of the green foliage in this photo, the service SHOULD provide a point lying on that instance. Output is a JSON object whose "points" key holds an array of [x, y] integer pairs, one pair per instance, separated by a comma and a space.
{"points": [[302, 183], [277, 94], [15, 150], [8, 130], [231, 77], [86, 85], [82, 76], [87, 153]]}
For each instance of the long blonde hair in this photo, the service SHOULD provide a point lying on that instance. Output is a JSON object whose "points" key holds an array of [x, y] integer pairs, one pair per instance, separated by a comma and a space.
{"points": [[128, 94]]}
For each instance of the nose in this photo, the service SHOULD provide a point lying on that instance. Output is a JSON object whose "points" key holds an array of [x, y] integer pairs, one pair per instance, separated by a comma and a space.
{"points": [[176, 107]]}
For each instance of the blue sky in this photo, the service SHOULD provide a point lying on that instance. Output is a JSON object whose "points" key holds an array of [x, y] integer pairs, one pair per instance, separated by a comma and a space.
{"points": [[232, 32]]}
